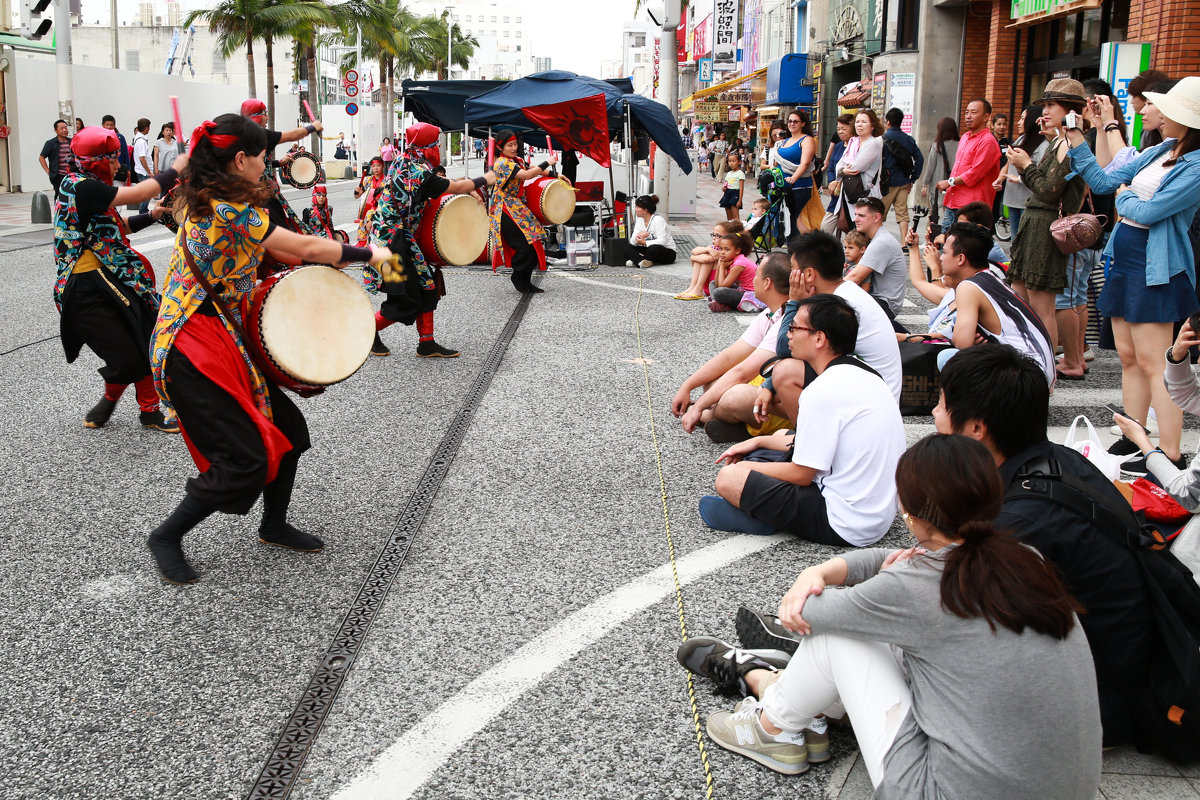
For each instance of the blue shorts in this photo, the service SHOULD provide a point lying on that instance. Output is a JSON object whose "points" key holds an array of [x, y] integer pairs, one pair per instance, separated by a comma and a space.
{"points": [[1079, 269]]}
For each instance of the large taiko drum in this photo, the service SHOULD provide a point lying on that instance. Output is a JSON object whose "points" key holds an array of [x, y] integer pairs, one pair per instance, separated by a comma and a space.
{"points": [[552, 200], [454, 228], [303, 170], [310, 327], [176, 210]]}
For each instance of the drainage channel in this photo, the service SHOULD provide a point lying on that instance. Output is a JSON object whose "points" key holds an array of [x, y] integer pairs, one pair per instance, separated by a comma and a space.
{"points": [[300, 733]]}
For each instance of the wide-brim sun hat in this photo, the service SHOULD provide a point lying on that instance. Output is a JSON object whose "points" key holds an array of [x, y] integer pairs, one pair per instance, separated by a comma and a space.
{"points": [[1067, 92], [1181, 105]]}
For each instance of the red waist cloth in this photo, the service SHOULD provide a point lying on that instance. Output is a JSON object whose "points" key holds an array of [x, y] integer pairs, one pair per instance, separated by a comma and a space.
{"points": [[210, 348]]}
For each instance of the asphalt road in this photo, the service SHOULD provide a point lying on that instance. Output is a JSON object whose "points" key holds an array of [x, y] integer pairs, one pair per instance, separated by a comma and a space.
{"points": [[526, 647]]}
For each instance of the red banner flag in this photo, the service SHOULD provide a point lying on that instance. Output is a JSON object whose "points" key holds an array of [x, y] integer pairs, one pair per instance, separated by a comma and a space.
{"points": [[580, 125]]}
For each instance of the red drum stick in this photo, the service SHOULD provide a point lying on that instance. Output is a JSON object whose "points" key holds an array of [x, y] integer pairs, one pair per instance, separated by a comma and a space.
{"points": [[491, 151], [549, 149], [179, 131], [308, 108]]}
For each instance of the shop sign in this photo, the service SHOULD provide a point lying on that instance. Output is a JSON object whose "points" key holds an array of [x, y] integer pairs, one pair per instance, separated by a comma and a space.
{"points": [[879, 93], [657, 62], [1119, 64], [737, 97], [735, 115], [752, 31], [1030, 12], [701, 38], [725, 15], [847, 23], [709, 112], [705, 66], [903, 95]]}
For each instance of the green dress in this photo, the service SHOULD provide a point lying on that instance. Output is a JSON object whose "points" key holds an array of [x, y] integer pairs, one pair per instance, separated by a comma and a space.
{"points": [[1036, 259]]}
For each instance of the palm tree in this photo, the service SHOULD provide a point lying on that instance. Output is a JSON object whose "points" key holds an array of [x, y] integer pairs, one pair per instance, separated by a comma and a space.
{"points": [[283, 19], [236, 24], [461, 52]]}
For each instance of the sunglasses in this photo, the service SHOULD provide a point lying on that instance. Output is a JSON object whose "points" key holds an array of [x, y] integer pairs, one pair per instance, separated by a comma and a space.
{"points": [[793, 328]]}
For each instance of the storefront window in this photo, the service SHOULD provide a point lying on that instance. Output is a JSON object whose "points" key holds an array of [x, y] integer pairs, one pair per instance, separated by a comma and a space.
{"points": [[1039, 41], [1089, 29], [1065, 41]]}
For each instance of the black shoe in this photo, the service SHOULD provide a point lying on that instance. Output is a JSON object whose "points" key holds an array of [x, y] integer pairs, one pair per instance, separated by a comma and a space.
{"points": [[529, 288], [99, 413], [432, 349], [724, 432], [157, 421], [172, 565], [1123, 447], [1138, 466], [378, 348], [761, 631], [725, 664], [291, 538]]}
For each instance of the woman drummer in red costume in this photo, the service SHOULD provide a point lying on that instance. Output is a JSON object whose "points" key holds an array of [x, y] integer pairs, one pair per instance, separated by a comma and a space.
{"points": [[244, 434], [319, 217], [369, 189], [513, 223]]}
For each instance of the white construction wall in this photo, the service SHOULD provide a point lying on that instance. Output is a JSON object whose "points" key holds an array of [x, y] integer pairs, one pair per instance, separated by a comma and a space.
{"points": [[31, 92]]}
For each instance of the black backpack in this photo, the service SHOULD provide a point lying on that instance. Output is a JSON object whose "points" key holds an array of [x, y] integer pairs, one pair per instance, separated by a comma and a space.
{"points": [[899, 154], [1168, 719]]}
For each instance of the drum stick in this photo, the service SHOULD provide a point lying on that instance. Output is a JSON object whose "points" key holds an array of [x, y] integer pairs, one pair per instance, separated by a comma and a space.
{"points": [[549, 149], [491, 151], [308, 108], [178, 123]]}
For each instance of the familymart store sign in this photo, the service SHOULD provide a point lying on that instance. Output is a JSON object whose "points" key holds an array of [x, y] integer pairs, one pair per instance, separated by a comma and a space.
{"points": [[1031, 12]]}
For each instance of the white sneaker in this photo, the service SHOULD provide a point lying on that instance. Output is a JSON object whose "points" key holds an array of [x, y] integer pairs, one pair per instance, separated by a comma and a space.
{"points": [[629, 263], [1089, 355], [645, 263]]}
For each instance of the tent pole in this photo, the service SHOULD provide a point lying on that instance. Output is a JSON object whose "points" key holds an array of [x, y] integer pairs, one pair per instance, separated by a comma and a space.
{"points": [[632, 169]]}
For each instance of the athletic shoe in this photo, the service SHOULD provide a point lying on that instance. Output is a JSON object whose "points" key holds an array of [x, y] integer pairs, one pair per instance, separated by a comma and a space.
{"points": [[716, 307], [432, 349], [1138, 466], [1089, 355], [725, 664], [291, 538], [1123, 447], [157, 421], [740, 732], [378, 348], [816, 740], [757, 630], [723, 432], [629, 263], [98, 416], [645, 263]]}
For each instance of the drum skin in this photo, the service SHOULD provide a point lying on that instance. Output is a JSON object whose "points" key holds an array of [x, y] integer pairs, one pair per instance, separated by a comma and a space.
{"points": [[303, 170], [453, 229], [309, 327], [551, 200], [175, 216]]}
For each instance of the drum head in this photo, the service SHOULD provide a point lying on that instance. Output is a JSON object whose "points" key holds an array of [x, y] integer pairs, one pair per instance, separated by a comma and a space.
{"points": [[558, 202], [317, 325], [303, 171], [461, 229], [179, 211]]}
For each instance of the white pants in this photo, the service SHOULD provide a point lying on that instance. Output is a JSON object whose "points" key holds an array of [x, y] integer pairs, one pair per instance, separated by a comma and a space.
{"points": [[832, 674]]}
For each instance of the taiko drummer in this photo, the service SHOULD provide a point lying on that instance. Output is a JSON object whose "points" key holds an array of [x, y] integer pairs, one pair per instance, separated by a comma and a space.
{"points": [[410, 184], [244, 434], [511, 220], [281, 213]]}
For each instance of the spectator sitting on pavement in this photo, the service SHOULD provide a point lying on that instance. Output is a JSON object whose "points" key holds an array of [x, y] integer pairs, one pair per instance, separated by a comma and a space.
{"points": [[854, 244], [883, 261], [994, 394], [816, 270], [838, 487], [739, 363], [974, 306], [978, 213], [704, 260], [932, 650], [651, 242], [734, 275], [55, 153], [903, 164]]}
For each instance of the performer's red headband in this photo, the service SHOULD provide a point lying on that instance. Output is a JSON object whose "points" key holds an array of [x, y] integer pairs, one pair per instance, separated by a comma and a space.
{"points": [[205, 131]]}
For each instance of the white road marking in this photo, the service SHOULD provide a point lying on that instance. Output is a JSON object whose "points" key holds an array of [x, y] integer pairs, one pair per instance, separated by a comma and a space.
{"points": [[615, 286], [418, 754]]}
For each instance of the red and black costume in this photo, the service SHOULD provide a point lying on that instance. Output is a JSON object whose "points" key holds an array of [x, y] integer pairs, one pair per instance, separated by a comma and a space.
{"points": [[319, 216]]}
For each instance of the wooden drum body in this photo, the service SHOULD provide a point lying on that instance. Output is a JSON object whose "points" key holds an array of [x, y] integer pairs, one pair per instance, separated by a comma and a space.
{"points": [[176, 210], [453, 230], [303, 170], [310, 327], [551, 200]]}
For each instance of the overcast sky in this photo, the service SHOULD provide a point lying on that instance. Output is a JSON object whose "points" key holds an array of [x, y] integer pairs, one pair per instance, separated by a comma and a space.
{"points": [[577, 40]]}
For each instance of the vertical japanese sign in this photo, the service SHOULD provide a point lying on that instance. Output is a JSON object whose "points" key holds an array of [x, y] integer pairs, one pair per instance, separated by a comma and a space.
{"points": [[903, 95], [1119, 64], [725, 20], [657, 65], [701, 38], [879, 93], [752, 36]]}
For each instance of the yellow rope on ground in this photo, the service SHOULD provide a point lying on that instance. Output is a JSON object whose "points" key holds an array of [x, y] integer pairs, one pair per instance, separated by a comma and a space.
{"points": [[662, 488]]}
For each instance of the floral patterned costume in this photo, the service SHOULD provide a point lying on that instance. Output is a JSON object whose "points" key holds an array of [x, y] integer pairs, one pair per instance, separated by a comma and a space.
{"points": [[506, 200]]}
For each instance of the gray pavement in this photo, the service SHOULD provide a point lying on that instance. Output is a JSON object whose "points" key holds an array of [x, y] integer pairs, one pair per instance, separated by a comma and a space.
{"points": [[526, 648]]}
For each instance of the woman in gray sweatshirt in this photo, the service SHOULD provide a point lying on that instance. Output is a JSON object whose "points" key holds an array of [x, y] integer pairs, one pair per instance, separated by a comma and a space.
{"points": [[960, 663]]}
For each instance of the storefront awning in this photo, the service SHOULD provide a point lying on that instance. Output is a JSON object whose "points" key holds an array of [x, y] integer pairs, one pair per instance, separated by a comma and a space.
{"points": [[759, 75]]}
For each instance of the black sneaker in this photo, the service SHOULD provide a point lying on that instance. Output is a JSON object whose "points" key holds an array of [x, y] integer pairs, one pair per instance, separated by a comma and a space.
{"points": [[173, 566], [378, 348], [292, 538], [764, 631], [157, 421], [98, 416], [432, 349], [725, 664], [724, 432], [1123, 447], [1138, 465]]}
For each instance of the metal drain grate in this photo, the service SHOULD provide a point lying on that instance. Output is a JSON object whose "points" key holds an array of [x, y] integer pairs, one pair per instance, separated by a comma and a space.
{"points": [[283, 765]]}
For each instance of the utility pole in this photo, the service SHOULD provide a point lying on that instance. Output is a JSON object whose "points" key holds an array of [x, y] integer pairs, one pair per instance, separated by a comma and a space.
{"points": [[669, 84], [62, 57], [116, 53]]}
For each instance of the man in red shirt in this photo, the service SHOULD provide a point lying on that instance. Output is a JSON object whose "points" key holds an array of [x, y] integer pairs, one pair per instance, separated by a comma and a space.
{"points": [[975, 166]]}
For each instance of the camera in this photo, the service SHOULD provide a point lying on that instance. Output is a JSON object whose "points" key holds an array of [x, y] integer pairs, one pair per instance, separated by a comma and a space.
{"points": [[1071, 121], [918, 213]]}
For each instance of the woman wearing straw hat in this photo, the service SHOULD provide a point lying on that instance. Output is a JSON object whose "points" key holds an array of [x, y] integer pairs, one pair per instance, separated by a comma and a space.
{"points": [[1039, 268], [1151, 278]]}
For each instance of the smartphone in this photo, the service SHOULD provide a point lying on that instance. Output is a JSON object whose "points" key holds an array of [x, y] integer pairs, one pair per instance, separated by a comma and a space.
{"points": [[1121, 412], [1194, 321]]}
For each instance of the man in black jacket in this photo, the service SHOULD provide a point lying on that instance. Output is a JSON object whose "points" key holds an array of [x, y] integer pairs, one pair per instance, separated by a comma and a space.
{"points": [[998, 397], [903, 164]]}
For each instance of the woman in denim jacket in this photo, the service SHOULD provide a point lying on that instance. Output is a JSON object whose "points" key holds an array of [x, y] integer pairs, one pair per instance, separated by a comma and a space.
{"points": [[1151, 278]]}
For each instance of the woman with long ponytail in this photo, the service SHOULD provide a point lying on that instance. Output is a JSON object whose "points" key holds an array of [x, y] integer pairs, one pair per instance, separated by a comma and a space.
{"points": [[960, 661]]}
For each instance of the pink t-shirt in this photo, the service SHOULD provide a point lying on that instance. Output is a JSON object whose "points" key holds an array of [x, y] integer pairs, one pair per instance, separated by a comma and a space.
{"points": [[745, 279]]}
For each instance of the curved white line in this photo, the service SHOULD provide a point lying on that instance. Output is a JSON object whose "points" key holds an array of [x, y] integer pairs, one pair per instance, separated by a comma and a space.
{"points": [[413, 758], [613, 285]]}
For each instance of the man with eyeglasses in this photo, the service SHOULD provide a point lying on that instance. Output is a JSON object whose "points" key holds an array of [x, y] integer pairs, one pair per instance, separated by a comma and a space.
{"points": [[837, 485]]}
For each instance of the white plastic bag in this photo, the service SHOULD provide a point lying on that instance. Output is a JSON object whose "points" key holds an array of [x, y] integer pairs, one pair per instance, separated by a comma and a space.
{"points": [[1093, 450]]}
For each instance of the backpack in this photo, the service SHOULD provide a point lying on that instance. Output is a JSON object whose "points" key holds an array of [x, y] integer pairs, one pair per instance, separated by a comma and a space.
{"points": [[1167, 719], [899, 154]]}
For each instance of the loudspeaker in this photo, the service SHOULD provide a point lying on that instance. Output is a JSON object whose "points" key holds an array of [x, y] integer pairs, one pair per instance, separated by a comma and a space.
{"points": [[613, 252]]}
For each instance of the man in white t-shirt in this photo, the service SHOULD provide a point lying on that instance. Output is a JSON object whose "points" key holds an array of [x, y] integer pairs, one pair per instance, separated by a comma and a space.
{"points": [[143, 167], [883, 261], [735, 366], [817, 261], [838, 487]]}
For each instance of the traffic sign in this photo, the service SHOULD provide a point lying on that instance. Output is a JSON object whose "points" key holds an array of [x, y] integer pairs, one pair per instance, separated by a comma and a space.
{"points": [[351, 89], [351, 76], [352, 108]]}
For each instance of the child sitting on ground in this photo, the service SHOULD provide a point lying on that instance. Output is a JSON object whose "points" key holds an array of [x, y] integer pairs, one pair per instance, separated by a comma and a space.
{"points": [[704, 261], [854, 244], [733, 281]]}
